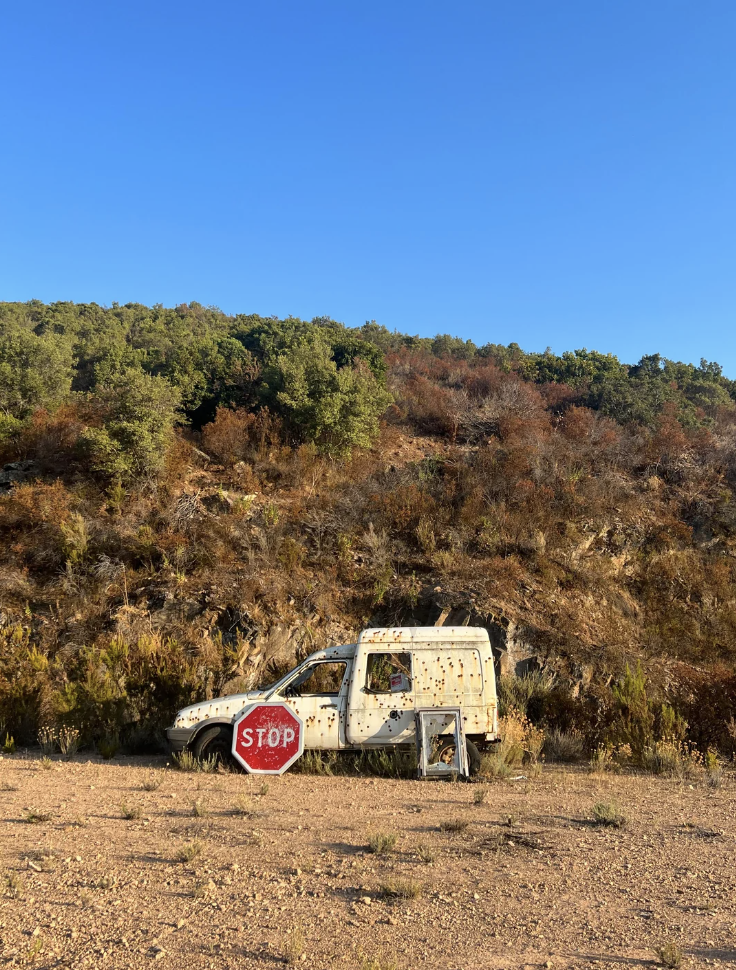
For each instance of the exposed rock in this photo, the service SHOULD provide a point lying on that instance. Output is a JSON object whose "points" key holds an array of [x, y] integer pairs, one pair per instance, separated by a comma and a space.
{"points": [[15, 472]]}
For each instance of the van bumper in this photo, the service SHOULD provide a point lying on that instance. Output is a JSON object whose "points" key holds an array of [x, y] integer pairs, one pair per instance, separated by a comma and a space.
{"points": [[178, 738]]}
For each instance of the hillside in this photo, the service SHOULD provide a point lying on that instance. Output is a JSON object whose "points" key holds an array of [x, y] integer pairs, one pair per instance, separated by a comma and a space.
{"points": [[190, 499]]}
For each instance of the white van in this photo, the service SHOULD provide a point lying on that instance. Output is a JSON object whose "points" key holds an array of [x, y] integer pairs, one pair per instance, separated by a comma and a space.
{"points": [[364, 695]]}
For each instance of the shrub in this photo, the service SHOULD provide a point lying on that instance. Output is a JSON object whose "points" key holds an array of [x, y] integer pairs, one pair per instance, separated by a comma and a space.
{"points": [[670, 955], [563, 746], [608, 814], [526, 694], [673, 758]]}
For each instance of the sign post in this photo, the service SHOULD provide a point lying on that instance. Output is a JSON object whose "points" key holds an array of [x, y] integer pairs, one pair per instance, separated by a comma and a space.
{"points": [[268, 738]]}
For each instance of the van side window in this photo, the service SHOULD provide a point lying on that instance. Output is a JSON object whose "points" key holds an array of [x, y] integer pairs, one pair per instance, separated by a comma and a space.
{"points": [[320, 679], [388, 673]]}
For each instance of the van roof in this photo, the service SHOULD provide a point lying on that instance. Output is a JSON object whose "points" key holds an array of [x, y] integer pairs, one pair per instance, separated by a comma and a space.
{"points": [[417, 635]]}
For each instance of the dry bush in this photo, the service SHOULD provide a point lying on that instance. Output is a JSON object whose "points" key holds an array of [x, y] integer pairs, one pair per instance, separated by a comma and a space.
{"points": [[521, 744], [238, 435], [566, 746]]}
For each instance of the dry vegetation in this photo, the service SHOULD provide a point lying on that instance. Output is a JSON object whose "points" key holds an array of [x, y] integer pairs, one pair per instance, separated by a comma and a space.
{"points": [[584, 508]]}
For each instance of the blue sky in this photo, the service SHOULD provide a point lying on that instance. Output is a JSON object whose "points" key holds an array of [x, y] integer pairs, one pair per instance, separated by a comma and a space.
{"points": [[556, 174]]}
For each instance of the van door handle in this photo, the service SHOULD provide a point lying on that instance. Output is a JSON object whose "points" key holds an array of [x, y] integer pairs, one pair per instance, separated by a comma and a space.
{"points": [[328, 707]]}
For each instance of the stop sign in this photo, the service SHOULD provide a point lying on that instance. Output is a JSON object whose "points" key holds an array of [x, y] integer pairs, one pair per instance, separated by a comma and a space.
{"points": [[268, 738]]}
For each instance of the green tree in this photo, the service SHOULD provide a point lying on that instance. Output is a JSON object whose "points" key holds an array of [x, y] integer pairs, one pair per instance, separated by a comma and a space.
{"points": [[336, 407], [34, 371], [138, 414]]}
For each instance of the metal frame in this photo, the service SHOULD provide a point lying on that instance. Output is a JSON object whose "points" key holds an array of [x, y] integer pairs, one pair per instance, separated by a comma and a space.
{"points": [[432, 722]]}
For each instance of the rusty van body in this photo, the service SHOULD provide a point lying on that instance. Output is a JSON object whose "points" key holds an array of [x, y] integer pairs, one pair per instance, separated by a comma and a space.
{"points": [[364, 695]]}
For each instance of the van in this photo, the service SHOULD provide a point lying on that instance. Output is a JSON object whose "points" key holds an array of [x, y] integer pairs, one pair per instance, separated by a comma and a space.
{"points": [[364, 695]]}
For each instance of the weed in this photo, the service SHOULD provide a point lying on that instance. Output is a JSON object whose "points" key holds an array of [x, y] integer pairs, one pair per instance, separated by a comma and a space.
{"points": [[608, 813], [610, 758], [13, 884], [402, 889], [45, 859], [199, 808], [453, 825], [6, 786], [47, 739], [317, 762], [130, 812], [108, 748], [199, 888], [670, 955], [35, 818], [153, 781], [479, 795], [209, 765], [293, 946], [68, 740], [189, 851], [107, 882], [713, 773], [244, 806], [373, 963], [45, 763], [381, 843], [263, 790], [34, 949], [185, 761], [9, 744], [426, 853]]}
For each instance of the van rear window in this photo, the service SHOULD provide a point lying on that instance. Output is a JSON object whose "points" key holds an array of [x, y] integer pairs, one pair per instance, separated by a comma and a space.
{"points": [[388, 673]]}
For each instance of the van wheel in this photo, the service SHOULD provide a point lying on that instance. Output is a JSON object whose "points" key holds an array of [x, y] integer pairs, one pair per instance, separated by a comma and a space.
{"points": [[446, 753], [215, 742]]}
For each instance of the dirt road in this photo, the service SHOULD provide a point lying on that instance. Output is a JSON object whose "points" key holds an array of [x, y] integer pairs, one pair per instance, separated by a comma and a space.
{"points": [[206, 871]]}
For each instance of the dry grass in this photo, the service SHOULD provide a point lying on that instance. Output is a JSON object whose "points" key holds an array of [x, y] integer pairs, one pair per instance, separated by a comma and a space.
{"points": [[401, 888], [454, 825], [153, 781], [36, 818], [189, 851], [130, 812], [381, 843], [294, 946]]}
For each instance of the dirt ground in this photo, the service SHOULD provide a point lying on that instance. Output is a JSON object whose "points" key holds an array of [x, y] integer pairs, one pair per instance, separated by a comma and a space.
{"points": [[211, 871]]}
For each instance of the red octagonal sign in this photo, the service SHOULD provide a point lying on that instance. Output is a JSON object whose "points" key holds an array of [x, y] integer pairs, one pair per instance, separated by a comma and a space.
{"points": [[268, 738]]}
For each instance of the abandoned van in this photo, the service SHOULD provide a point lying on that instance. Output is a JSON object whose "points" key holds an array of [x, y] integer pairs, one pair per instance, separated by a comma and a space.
{"points": [[365, 694]]}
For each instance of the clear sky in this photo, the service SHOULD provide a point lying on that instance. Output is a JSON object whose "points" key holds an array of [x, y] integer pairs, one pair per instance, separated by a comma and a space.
{"points": [[555, 173]]}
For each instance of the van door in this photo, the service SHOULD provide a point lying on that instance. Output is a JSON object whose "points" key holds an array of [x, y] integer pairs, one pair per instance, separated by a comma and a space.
{"points": [[318, 694], [448, 675], [381, 699]]}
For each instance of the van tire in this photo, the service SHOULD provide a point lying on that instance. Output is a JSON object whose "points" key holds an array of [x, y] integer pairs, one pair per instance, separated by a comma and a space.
{"points": [[473, 758], [471, 750], [215, 742]]}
